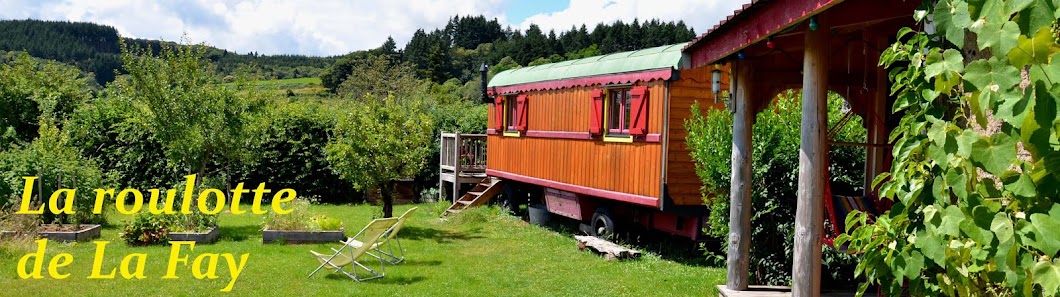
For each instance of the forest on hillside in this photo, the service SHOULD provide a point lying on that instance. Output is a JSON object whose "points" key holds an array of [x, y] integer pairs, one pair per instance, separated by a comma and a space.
{"points": [[457, 50], [95, 49], [452, 52]]}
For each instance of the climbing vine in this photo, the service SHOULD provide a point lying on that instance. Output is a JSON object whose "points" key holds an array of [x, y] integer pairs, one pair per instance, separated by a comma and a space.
{"points": [[976, 172]]}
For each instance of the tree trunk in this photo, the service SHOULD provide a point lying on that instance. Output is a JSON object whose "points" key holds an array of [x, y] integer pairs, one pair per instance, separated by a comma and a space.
{"points": [[385, 194]]}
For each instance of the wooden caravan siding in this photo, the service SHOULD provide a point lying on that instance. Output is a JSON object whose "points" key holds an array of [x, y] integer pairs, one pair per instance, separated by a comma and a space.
{"points": [[694, 85], [629, 168]]}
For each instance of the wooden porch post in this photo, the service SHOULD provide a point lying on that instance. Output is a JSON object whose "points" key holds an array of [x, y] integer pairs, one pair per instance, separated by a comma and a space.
{"points": [[455, 155], [809, 214], [877, 126], [740, 189]]}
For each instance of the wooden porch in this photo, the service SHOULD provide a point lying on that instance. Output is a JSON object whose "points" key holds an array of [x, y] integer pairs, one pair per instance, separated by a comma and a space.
{"points": [[815, 46], [462, 160]]}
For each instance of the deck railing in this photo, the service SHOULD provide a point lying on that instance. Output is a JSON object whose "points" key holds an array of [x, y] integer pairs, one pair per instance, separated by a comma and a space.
{"points": [[463, 153]]}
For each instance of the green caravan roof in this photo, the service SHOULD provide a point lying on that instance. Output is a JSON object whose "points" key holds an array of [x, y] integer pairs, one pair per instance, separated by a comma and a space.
{"points": [[655, 58]]}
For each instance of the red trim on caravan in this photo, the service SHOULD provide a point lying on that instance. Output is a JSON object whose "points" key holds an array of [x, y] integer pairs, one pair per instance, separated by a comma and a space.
{"points": [[570, 135], [624, 197], [622, 78]]}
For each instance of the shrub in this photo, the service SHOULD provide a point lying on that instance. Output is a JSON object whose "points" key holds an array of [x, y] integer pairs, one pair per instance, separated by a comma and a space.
{"points": [[301, 218], [324, 223], [147, 229], [775, 159], [57, 164], [290, 152], [107, 130]]}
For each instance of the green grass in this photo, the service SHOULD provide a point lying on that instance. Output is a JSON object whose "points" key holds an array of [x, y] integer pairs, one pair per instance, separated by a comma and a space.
{"points": [[478, 253]]}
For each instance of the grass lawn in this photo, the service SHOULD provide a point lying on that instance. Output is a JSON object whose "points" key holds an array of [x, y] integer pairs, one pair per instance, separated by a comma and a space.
{"points": [[478, 253]]}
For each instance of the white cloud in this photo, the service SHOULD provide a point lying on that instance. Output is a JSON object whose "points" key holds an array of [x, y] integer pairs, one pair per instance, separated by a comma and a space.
{"points": [[335, 27], [264, 26], [699, 14]]}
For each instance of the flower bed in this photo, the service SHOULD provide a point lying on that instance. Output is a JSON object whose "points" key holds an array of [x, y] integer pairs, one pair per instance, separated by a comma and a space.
{"points": [[68, 233], [302, 236], [209, 236]]}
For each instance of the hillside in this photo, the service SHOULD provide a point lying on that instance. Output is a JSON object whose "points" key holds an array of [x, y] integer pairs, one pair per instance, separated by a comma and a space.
{"points": [[95, 48]]}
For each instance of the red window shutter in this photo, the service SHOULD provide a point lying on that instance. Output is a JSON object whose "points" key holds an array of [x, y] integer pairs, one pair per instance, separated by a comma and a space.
{"points": [[498, 113], [638, 120], [596, 120], [520, 110]]}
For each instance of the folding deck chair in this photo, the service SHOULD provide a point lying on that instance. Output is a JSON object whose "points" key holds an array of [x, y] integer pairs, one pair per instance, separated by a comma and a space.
{"points": [[389, 239], [370, 236]]}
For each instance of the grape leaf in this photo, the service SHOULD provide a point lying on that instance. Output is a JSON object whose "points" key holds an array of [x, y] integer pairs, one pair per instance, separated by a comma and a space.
{"points": [[1002, 227], [1022, 187], [1014, 6], [1048, 227], [951, 220], [993, 75], [994, 154], [1048, 73], [932, 247], [1032, 50], [1040, 13], [946, 62], [952, 19], [999, 37], [1013, 109], [1047, 274], [1035, 131]]}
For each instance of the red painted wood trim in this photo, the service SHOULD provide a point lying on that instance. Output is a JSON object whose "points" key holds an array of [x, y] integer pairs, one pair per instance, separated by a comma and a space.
{"points": [[559, 134], [621, 78], [624, 197], [578, 135], [751, 26]]}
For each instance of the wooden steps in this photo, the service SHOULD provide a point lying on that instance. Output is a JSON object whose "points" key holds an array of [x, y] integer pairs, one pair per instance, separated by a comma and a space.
{"points": [[481, 194]]}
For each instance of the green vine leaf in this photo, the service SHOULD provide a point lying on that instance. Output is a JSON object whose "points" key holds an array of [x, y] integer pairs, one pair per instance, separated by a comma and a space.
{"points": [[952, 18], [1013, 109], [1000, 37], [945, 68], [1035, 50], [951, 221], [1047, 274], [991, 75], [1038, 14], [1048, 73], [932, 247], [1036, 132], [1014, 6], [1047, 237], [994, 154]]}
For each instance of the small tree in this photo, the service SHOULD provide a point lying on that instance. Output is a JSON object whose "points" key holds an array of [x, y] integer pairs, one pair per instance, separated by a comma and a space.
{"points": [[187, 108], [379, 141]]}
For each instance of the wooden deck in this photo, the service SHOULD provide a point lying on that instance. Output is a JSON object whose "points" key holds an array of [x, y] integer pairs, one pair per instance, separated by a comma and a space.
{"points": [[462, 160], [779, 291]]}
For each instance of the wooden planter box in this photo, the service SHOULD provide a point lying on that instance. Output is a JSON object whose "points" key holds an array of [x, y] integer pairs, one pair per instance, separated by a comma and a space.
{"points": [[297, 236], [87, 232], [210, 236]]}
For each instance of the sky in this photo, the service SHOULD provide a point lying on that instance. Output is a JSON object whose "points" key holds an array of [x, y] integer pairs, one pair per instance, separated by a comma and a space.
{"points": [[336, 27]]}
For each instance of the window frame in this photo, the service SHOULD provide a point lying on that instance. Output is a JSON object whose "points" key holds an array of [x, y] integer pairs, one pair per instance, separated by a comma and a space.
{"points": [[511, 116], [624, 120]]}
